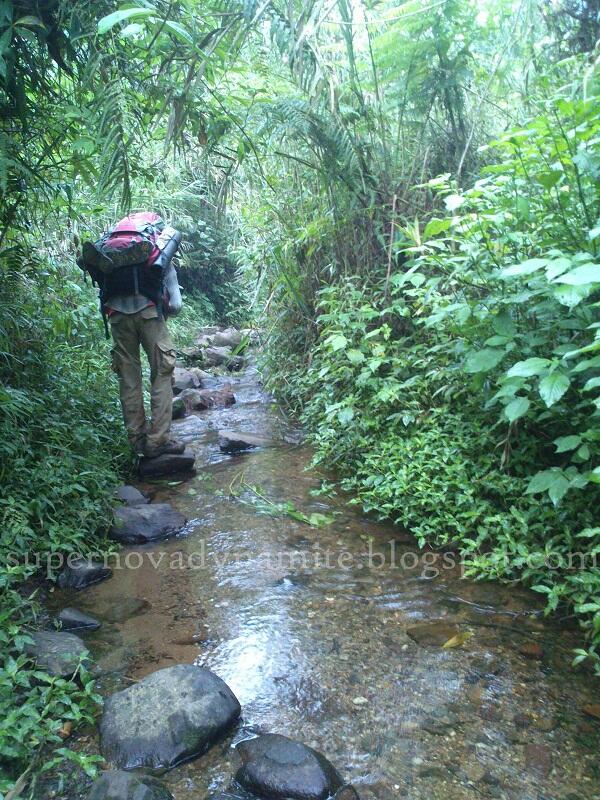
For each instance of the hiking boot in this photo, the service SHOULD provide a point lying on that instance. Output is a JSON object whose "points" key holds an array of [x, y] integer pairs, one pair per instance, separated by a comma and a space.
{"points": [[139, 445], [171, 446]]}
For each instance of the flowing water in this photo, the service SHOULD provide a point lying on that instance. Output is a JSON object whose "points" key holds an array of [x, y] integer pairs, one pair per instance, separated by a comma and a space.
{"points": [[308, 625]]}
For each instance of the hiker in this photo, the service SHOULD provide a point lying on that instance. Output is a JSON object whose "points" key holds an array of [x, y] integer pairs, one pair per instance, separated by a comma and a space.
{"points": [[133, 267]]}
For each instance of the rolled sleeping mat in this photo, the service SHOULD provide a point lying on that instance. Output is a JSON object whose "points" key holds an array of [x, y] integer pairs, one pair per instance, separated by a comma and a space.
{"points": [[168, 242]]}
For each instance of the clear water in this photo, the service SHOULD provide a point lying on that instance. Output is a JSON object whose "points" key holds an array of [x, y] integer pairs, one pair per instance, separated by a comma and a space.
{"points": [[308, 625]]}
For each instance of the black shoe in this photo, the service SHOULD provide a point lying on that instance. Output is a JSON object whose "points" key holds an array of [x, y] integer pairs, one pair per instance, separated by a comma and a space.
{"points": [[171, 446]]}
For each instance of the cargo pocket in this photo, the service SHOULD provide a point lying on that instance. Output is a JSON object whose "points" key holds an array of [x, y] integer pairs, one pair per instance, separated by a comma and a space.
{"points": [[166, 357], [115, 361]]}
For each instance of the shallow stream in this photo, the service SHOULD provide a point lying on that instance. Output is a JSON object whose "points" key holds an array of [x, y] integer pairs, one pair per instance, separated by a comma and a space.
{"points": [[316, 630]]}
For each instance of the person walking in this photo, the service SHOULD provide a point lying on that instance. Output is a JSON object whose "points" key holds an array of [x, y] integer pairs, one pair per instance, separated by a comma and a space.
{"points": [[136, 300]]}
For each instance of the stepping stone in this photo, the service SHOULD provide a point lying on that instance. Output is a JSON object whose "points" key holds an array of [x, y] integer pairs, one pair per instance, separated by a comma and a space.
{"points": [[201, 399], [234, 442], [120, 785], [184, 379], [168, 717], [279, 768], [139, 524], [71, 619], [131, 496], [56, 652], [167, 464], [83, 572]]}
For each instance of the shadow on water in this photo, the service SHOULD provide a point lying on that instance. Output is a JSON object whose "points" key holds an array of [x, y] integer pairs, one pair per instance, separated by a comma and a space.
{"points": [[319, 632]]}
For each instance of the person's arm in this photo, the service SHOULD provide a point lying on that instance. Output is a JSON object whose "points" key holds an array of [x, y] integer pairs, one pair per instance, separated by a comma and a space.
{"points": [[174, 301]]}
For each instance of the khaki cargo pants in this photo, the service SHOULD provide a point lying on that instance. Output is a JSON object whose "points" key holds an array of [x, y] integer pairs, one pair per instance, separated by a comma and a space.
{"points": [[147, 329]]}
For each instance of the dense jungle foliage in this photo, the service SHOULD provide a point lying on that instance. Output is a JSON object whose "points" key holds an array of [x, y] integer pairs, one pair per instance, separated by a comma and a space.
{"points": [[405, 197]]}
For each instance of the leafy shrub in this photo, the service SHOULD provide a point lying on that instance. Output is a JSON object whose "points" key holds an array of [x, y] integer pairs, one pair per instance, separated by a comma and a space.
{"points": [[62, 448], [460, 396]]}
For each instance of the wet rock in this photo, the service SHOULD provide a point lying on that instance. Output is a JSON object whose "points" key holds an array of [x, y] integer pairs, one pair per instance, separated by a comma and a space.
{"points": [[532, 650], [71, 619], [168, 464], [121, 785], [56, 652], [546, 724], [178, 409], [168, 717], [201, 374], [131, 496], [538, 759], [194, 353], [82, 572], [432, 634], [184, 379], [222, 356], [522, 720], [201, 399], [125, 609], [146, 523], [346, 793], [279, 768], [230, 337], [234, 442], [592, 710], [207, 330]]}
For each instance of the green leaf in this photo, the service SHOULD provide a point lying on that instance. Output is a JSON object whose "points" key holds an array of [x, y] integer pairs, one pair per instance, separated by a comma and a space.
{"points": [[355, 356], [346, 415], [553, 386], [30, 21], [338, 341], [587, 273], [542, 481], [570, 296], [109, 21], [591, 384], [516, 408], [594, 475], [525, 267], [483, 360], [529, 367], [503, 325], [435, 226], [550, 178], [566, 443], [453, 201]]}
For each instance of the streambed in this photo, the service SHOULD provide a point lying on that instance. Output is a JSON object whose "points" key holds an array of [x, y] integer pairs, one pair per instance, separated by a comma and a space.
{"points": [[334, 633]]}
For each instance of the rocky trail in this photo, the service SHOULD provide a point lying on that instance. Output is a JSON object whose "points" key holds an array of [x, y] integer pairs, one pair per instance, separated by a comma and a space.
{"points": [[258, 637]]}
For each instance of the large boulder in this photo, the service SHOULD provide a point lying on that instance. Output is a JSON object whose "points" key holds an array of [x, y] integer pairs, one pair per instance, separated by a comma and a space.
{"points": [[201, 399], [120, 785], [71, 619], [56, 652], [167, 464], [184, 379], [139, 524], [82, 572], [279, 768], [168, 717], [235, 442], [131, 496]]}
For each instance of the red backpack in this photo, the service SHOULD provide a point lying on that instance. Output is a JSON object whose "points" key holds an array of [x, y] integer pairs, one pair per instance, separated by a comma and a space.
{"points": [[133, 240]]}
